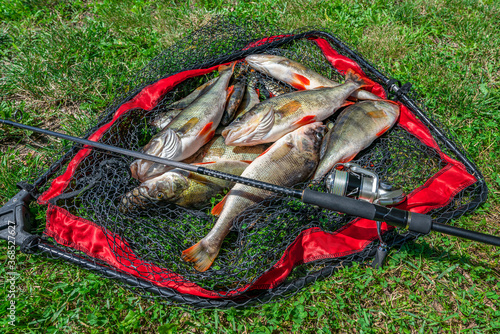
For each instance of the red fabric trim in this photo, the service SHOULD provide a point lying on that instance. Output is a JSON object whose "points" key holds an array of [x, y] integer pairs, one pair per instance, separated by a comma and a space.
{"points": [[94, 240], [266, 40], [310, 245], [343, 63]]}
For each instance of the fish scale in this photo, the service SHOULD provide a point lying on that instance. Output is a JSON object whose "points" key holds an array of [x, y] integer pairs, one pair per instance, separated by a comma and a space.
{"points": [[181, 187], [220, 151], [356, 128], [250, 97], [163, 119]]}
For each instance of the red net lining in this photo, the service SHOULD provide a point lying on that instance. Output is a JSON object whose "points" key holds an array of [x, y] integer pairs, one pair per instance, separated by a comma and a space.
{"points": [[310, 245]]}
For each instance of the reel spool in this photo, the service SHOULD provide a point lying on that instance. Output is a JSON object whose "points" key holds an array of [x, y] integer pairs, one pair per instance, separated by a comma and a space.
{"points": [[356, 182]]}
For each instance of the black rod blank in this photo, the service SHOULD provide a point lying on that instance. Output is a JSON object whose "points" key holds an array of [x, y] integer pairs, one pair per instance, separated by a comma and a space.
{"points": [[176, 164], [392, 216], [466, 234]]}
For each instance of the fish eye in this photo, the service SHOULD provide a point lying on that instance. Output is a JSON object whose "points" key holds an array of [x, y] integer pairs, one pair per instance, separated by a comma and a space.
{"points": [[159, 195]]}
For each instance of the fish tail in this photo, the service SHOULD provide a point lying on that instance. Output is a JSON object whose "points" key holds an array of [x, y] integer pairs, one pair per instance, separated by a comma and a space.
{"points": [[202, 254], [362, 81]]}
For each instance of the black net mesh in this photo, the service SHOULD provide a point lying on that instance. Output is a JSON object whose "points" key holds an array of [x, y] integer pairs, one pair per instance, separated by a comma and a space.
{"points": [[257, 241]]}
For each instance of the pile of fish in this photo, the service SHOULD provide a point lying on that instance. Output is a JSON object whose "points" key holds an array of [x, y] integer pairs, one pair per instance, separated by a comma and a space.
{"points": [[280, 140]]}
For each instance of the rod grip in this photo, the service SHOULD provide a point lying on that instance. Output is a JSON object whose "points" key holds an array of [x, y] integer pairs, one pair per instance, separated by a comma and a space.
{"points": [[339, 203], [418, 222]]}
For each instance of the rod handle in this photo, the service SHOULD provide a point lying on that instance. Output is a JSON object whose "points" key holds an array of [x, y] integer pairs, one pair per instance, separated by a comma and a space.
{"points": [[338, 203], [362, 209]]}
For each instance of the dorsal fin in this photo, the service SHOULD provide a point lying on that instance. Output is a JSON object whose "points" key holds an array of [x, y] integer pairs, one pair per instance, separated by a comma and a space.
{"points": [[223, 68], [363, 81]]}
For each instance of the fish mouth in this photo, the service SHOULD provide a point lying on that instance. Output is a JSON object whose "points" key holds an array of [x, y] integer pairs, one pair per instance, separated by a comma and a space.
{"points": [[140, 168], [143, 170], [137, 198], [316, 129], [259, 62]]}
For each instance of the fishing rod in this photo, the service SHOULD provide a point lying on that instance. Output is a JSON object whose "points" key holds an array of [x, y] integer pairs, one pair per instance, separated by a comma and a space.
{"points": [[415, 222]]}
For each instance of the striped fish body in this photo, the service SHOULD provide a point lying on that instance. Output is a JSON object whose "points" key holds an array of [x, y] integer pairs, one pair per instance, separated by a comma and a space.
{"points": [[274, 89], [163, 119], [273, 118], [213, 151], [298, 75], [218, 150], [251, 96], [290, 160], [236, 97], [356, 128], [196, 125], [187, 189], [190, 130], [186, 101]]}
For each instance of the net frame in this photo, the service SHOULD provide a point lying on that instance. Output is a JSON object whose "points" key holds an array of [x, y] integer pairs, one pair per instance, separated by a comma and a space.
{"points": [[466, 201]]}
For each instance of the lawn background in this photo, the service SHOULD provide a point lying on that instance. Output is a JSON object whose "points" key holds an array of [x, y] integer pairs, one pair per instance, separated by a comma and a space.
{"points": [[60, 62]]}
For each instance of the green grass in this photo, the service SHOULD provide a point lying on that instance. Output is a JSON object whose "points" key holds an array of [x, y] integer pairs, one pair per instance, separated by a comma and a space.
{"points": [[61, 61]]}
